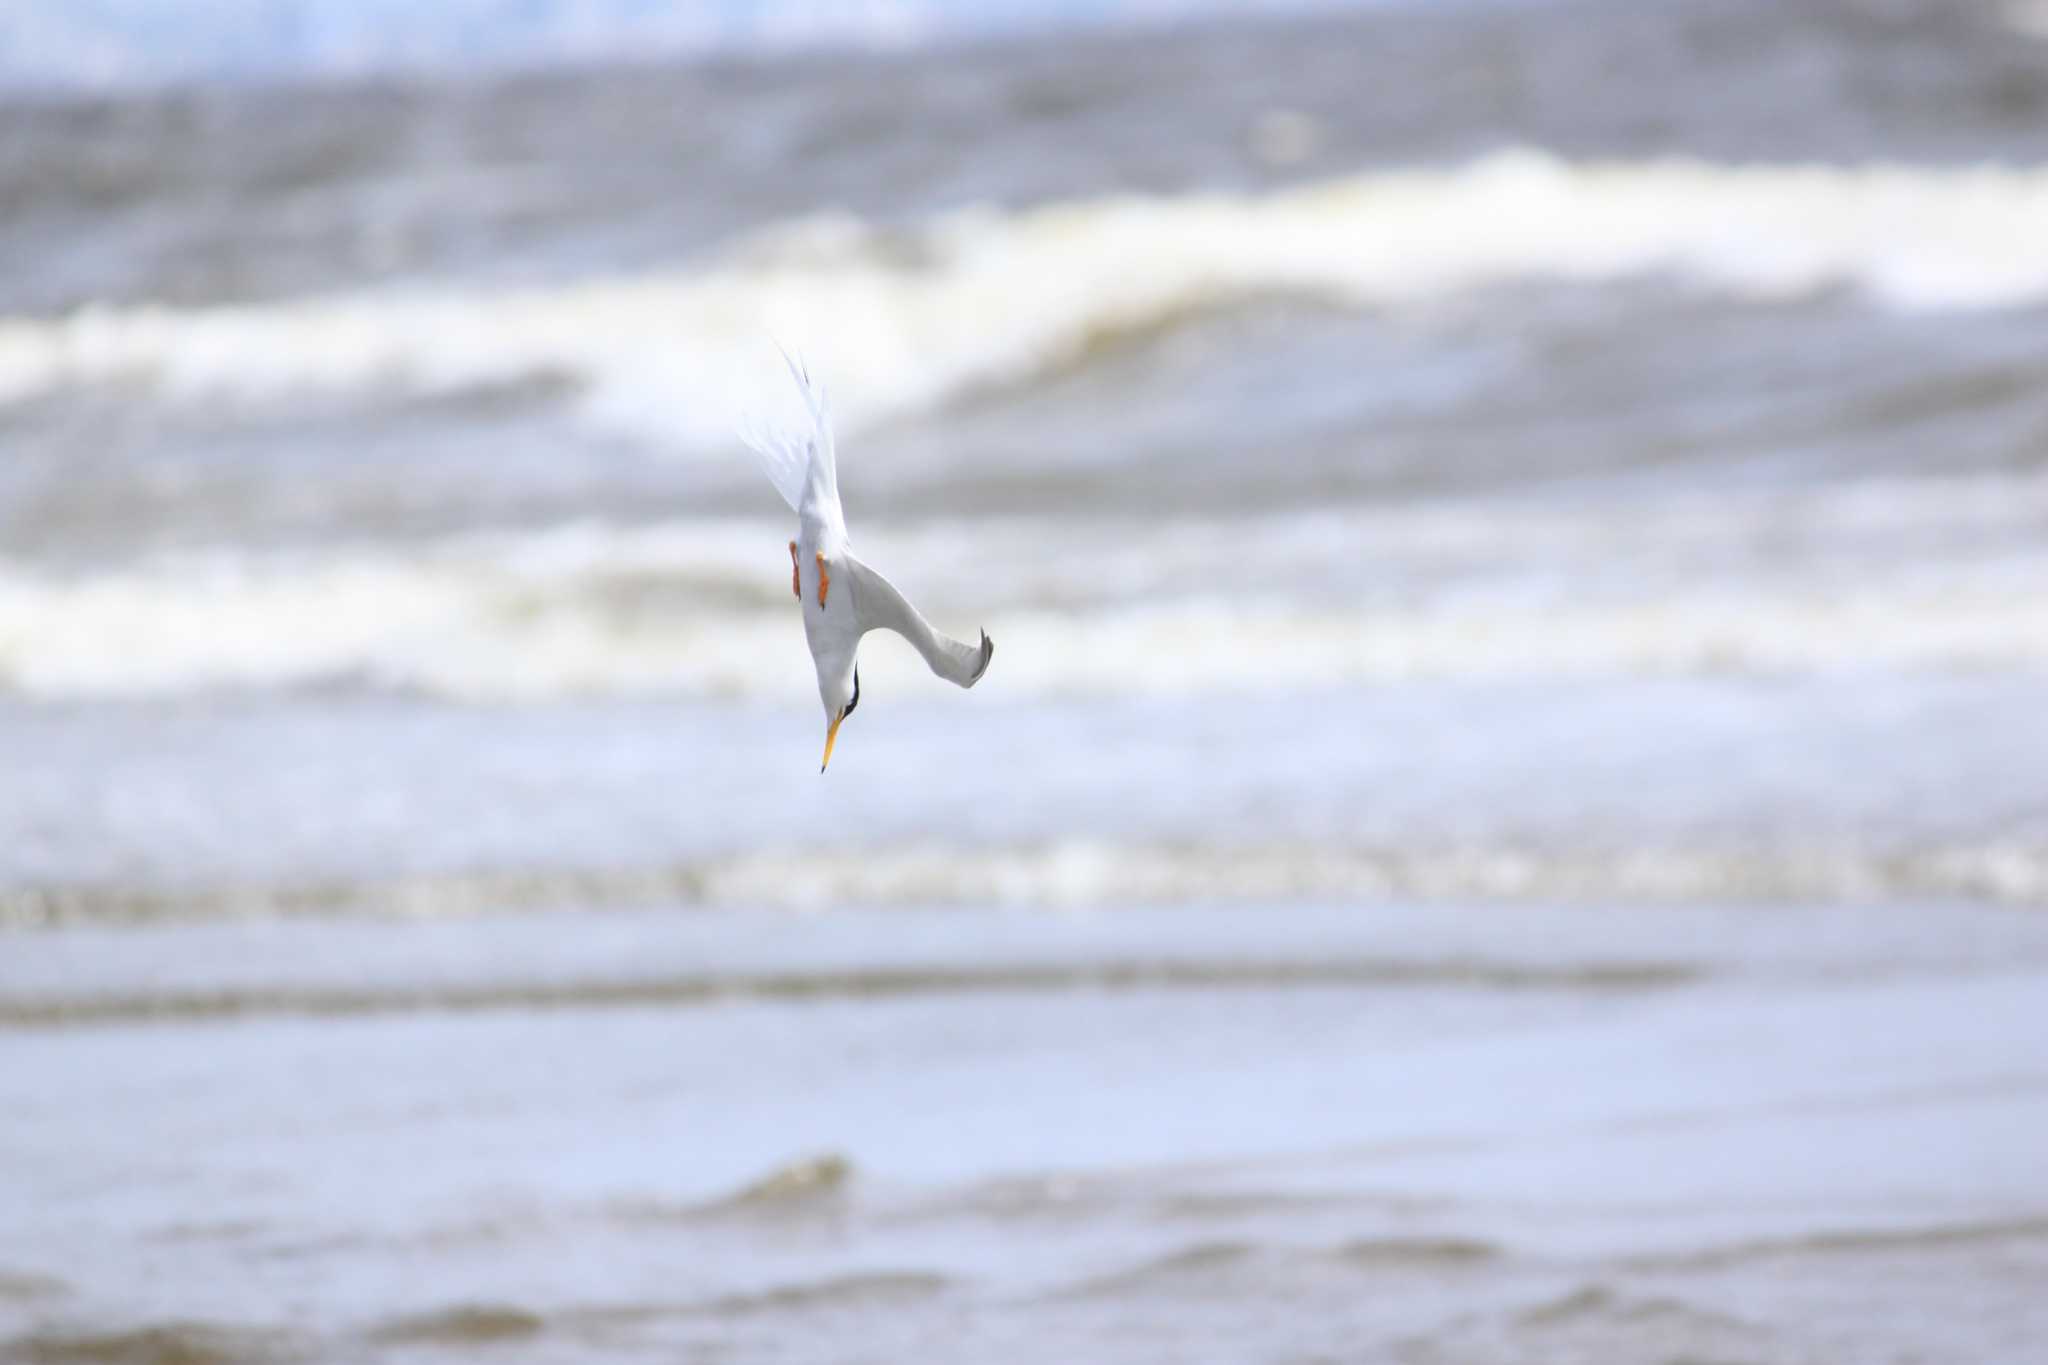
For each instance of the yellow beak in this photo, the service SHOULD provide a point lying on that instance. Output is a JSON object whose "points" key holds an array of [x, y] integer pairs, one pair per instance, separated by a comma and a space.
{"points": [[831, 734]]}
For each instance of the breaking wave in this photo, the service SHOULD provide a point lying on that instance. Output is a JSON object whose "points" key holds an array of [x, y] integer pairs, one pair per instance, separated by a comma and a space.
{"points": [[698, 609], [981, 296]]}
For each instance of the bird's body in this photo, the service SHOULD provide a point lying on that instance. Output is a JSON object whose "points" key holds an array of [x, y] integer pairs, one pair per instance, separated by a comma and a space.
{"points": [[843, 599], [830, 625]]}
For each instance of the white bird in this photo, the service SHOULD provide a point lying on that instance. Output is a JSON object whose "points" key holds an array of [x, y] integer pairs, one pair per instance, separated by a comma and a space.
{"points": [[843, 599]]}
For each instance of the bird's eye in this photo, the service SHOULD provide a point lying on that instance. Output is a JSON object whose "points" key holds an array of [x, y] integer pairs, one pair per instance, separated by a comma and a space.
{"points": [[856, 696]]}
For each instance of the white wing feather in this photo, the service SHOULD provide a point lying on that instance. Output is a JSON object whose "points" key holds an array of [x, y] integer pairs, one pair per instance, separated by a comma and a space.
{"points": [[799, 459], [878, 606]]}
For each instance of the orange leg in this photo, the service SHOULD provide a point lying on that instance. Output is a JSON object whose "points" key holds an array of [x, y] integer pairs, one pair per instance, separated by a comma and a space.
{"points": [[796, 584], [824, 580]]}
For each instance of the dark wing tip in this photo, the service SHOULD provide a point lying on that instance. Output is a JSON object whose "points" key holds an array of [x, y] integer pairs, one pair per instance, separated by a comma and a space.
{"points": [[988, 652]]}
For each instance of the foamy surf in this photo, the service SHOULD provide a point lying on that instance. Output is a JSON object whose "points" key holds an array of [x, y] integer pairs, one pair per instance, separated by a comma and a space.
{"points": [[1765, 583], [1064, 876], [907, 321], [478, 638]]}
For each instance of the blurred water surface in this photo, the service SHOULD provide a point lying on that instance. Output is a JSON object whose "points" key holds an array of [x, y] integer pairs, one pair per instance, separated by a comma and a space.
{"points": [[1507, 819]]}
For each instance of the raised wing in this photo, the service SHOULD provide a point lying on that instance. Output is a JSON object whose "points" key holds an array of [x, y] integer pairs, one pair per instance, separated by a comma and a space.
{"points": [[800, 460], [878, 606]]}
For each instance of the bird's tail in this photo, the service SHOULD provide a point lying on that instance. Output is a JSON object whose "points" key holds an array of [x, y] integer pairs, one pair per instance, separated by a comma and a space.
{"points": [[797, 454]]}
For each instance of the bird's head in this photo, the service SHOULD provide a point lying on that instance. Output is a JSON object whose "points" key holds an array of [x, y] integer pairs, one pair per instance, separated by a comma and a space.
{"points": [[839, 690]]}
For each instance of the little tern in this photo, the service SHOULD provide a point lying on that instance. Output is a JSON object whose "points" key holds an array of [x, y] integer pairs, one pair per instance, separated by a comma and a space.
{"points": [[843, 599]]}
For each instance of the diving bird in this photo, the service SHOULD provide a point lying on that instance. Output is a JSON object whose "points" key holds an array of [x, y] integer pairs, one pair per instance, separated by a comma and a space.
{"points": [[843, 599]]}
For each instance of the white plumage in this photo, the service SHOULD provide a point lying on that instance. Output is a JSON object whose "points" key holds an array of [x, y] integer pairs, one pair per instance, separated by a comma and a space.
{"points": [[789, 456], [841, 597]]}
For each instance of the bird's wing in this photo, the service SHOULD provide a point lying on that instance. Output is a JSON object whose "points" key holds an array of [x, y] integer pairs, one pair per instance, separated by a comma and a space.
{"points": [[799, 460], [878, 606]]}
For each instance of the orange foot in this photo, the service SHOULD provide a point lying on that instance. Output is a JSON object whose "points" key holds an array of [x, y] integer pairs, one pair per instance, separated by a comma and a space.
{"points": [[824, 580], [796, 584]]}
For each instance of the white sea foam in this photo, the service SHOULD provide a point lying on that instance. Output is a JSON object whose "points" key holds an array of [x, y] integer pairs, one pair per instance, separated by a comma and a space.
{"points": [[983, 296], [698, 608], [1081, 874]]}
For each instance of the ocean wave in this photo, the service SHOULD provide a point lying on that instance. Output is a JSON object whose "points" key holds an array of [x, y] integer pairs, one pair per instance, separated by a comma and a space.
{"points": [[1873, 1241], [1419, 1253], [164, 1343], [559, 614], [983, 296], [1211, 1265], [1079, 874], [463, 1326], [1198, 1267], [868, 1289], [22, 1287], [698, 609], [124, 44], [809, 1182], [1597, 1303], [796, 1186]]}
